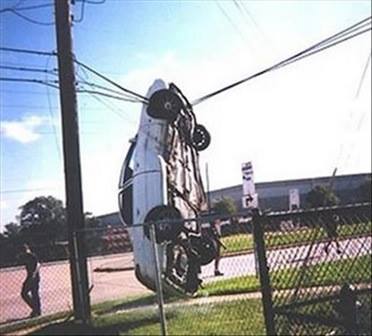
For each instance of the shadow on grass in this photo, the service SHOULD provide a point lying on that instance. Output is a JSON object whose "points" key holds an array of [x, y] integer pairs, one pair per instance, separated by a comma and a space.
{"points": [[135, 303], [139, 302], [72, 328], [117, 327]]}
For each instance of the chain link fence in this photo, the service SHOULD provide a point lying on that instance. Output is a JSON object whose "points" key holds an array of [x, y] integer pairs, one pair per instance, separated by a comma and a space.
{"points": [[55, 280], [319, 265], [317, 279]]}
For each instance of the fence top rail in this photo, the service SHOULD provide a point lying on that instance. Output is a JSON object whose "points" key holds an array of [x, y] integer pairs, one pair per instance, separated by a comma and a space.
{"points": [[201, 219], [245, 213], [278, 214]]}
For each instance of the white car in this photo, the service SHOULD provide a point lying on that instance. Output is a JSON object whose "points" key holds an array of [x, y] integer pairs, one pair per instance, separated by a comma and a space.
{"points": [[160, 180]]}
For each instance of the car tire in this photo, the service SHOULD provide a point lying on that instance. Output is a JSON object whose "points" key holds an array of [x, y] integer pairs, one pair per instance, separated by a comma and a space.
{"points": [[164, 231], [201, 138], [164, 104]]}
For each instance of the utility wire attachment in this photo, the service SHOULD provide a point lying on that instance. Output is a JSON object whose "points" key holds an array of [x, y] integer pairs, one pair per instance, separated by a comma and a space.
{"points": [[143, 99]]}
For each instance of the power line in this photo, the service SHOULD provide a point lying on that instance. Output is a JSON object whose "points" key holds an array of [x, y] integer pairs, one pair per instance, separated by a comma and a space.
{"points": [[24, 92], [12, 191], [52, 83], [20, 9], [230, 20], [107, 95], [82, 11], [363, 76], [27, 69], [94, 85], [320, 46], [143, 99], [29, 51], [26, 18], [242, 7], [51, 115], [361, 118], [91, 2], [31, 80], [101, 101]]}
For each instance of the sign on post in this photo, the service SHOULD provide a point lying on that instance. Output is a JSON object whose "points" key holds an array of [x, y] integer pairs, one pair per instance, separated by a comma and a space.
{"points": [[250, 198]]}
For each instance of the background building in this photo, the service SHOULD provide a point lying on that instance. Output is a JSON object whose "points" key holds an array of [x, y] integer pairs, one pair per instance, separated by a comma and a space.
{"points": [[275, 195]]}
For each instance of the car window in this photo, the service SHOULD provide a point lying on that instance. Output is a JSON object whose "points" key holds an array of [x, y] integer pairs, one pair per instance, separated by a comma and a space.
{"points": [[128, 165]]}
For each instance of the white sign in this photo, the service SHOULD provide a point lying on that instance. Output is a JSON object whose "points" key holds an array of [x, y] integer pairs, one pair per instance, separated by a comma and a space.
{"points": [[250, 201], [250, 198], [294, 199]]}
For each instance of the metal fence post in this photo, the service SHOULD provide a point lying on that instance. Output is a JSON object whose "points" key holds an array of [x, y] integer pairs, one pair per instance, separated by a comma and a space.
{"points": [[159, 286], [348, 309], [78, 237], [260, 252]]}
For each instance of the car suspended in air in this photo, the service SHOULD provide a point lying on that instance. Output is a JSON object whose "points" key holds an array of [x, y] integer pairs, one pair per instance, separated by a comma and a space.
{"points": [[160, 181]]}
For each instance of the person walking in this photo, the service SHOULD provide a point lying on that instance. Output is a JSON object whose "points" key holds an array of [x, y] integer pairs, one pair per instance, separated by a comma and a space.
{"points": [[30, 286], [330, 228], [216, 230]]}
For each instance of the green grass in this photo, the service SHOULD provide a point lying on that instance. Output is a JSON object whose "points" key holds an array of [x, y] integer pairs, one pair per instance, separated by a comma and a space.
{"points": [[97, 309], [327, 273], [241, 284], [27, 323], [228, 318], [237, 243], [127, 303], [244, 242], [357, 270]]}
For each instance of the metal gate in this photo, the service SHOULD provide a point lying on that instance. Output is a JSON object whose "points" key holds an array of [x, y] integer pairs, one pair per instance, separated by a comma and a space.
{"points": [[315, 270]]}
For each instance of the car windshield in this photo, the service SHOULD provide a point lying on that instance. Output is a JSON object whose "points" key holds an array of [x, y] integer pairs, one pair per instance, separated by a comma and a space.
{"points": [[127, 168]]}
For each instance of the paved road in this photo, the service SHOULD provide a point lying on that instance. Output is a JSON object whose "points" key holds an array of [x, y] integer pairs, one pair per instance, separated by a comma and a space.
{"points": [[55, 277], [55, 287]]}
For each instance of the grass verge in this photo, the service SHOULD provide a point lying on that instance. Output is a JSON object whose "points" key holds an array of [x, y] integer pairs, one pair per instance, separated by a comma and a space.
{"points": [[228, 318], [357, 270], [243, 242]]}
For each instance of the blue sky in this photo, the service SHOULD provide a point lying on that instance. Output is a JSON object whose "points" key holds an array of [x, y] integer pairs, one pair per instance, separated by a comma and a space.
{"points": [[301, 121]]}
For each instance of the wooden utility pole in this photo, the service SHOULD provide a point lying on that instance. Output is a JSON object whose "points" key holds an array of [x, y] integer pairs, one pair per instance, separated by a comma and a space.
{"points": [[71, 152]]}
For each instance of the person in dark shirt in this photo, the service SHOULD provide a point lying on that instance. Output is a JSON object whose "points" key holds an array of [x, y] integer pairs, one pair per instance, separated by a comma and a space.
{"points": [[30, 286], [216, 230], [330, 227]]}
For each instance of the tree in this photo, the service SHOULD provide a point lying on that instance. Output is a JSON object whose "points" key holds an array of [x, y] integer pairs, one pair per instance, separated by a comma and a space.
{"points": [[321, 196], [43, 219], [11, 230], [225, 206]]}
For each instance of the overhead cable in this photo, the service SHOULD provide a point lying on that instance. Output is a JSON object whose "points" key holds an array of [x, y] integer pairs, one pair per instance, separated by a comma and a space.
{"points": [[11, 191], [320, 46], [94, 86], [27, 69], [26, 18], [31, 80], [144, 99], [101, 101], [29, 51], [20, 9], [107, 95]]}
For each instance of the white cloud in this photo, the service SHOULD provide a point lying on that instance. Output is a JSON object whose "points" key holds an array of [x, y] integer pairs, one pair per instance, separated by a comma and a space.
{"points": [[3, 204], [24, 130]]}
